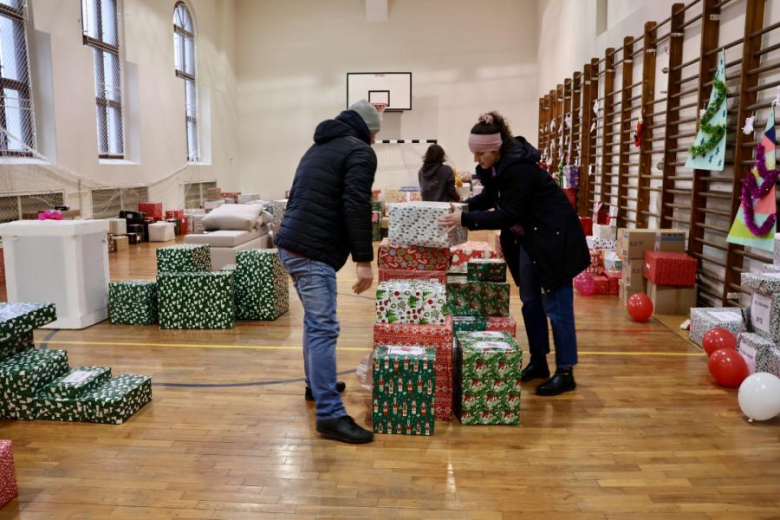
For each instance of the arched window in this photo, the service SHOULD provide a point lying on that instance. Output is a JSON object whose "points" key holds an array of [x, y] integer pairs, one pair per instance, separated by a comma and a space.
{"points": [[16, 114], [101, 32], [184, 48]]}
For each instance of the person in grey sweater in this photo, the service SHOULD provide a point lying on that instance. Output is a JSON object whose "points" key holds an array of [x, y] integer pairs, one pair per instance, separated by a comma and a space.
{"points": [[437, 180]]}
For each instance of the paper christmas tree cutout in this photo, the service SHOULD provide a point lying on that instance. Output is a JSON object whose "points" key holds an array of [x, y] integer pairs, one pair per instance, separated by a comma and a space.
{"points": [[709, 148], [761, 213]]}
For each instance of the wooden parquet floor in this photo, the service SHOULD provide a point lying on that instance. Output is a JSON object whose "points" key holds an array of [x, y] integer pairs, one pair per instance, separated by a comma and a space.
{"points": [[647, 434]]}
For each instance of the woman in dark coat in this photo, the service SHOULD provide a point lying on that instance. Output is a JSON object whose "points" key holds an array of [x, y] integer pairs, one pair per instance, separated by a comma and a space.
{"points": [[437, 180], [542, 239]]}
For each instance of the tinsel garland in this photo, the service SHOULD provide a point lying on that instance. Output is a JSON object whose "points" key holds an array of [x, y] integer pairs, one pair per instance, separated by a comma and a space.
{"points": [[716, 133], [752, 191]]}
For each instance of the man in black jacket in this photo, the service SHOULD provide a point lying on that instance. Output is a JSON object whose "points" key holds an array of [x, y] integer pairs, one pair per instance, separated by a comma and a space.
{"points": [[328, 218]]}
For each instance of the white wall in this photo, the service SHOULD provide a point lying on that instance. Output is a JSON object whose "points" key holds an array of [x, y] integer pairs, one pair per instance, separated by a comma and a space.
{"points": [[466, 58]]}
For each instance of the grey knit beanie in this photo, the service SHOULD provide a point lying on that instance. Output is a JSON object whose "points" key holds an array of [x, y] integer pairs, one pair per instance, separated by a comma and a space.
{"points": [[369, 114]]}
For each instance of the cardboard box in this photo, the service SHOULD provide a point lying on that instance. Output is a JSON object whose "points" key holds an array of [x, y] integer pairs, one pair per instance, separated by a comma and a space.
{"points": [[635, 242], [671, 300], [670, 240], [121, 243], [632, 274], [664, 268]]}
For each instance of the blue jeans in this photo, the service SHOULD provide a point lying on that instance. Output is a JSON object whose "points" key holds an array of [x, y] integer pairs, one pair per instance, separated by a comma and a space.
{"points": [[315, 283]]}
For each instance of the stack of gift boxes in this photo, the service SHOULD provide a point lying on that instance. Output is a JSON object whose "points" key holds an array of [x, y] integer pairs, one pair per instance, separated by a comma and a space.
{"points": [[761, 348], [148, 224], [38, 384]]}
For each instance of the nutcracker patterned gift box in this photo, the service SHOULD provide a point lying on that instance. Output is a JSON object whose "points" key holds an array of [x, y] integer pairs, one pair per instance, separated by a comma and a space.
{"points": [[705, 319], [404, 390], [417, 223], [411, 301], [151, 209], [675, 269], [261, 285], [196, 300], [386, 275], [487, 380], [133, 302], [486, 270], [17, 318], [434, 336], [16, 344], [768, 360], [412, 258], [8, 487], [118, 399], [765, 309], [23, 375], [184, 258], [61, 399], [462, 253]]}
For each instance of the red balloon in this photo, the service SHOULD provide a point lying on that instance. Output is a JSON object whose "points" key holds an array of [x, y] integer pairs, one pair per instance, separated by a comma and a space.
{"points": [[718, 338], [728, 367], [640, 307]]}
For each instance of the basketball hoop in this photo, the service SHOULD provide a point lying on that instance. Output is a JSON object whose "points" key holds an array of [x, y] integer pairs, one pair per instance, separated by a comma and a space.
{"points": [[380, 107]]}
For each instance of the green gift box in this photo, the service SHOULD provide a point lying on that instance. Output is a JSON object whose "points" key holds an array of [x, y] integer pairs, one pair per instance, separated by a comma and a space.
{"points": [[404, 390], [461, 296], [262, 289], [133, 302], [184, 258], [491, 298], [196, 300], [376, 221], [22, 376], [486, 270], [468, 323], [17, 319], [118, 399], [487, 378], [61, 399], [16, 344]]}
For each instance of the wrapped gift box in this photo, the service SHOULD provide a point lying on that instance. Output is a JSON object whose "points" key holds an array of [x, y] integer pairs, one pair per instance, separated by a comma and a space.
{"points": [[17, 319], [184, 258], [600, 243], [376, 221], [138, 230], [587, 225], [671, 269], [16, 344], [502, 324], [174, 214], [214, 194], [404, 390], [410, 301], [487, 380], [462, 253], [602, 284], [196, 224], [61, 400], [468, 323], [162, 232], [613, 279], [23, 375], [605, 232], [768, 360], [8, 487], [461, 297], [417, 223], [213, 204], [118, 399], [705, 319], [132, 302], [176, 222], [772, 269], [279, 209], [196, 300], [491, 298], [765, 308], [261, 285], [386, 275], [499, 251], [231, 197], [596, 266], [750, 345], [151, 209], [412, 258], [486, 270]]}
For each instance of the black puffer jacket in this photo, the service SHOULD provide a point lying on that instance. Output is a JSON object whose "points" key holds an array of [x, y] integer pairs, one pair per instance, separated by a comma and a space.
{"points": [[519, 192], [329, 212]]}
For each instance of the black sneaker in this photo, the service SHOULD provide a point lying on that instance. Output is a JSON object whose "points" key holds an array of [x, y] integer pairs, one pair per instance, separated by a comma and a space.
{"points": [[562, 381], [344, 429], [535, 370], [340, 386]]}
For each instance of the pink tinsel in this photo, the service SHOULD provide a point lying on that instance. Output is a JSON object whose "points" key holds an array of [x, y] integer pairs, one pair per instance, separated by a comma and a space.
{"points": [[752, 191], [49, 215]]}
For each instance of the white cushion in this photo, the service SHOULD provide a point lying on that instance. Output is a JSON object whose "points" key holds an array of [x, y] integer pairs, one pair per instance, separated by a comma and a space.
{"points": [[162, 232], [236, 217], [224, 238]]}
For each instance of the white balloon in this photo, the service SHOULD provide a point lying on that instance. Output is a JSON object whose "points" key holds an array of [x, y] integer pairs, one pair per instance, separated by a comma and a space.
{"points": [[759, 396]]}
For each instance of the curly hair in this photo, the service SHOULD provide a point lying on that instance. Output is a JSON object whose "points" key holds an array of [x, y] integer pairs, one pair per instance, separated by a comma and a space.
{"points": [[492, 123], [434, 154]]}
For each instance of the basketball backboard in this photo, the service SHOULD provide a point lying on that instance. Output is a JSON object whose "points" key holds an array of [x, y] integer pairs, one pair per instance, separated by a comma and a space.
{"points": [[391, 88]]}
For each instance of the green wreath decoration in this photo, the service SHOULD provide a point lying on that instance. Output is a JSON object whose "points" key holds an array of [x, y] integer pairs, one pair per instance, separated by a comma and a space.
{"points": [[716, 133]]}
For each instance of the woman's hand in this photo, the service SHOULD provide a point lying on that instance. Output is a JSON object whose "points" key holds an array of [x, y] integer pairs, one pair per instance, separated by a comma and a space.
{"points": [[452, 220]]}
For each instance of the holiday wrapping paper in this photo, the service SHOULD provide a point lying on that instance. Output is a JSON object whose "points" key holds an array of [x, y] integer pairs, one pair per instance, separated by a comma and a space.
{"points": [[196, 224], [404, 390], [261, 285], [412, 258], [279, 209], [487, 380], [174, 214], [118, 399], [468, 323], [17, 319], [213, 194], [151, 209], [613, 281], [23, 375], [768, 359], [466, 298], [8, 487], [772, 268], [776, 250], [417, 223], [486, 270], [16, 344], [196, 300], [675, 269], [705, 319], [765, 308], [132, 302], [461, 298], [184, 258], [386, 275], [600, 243], [750, 345], [502, 324], [596, 266], [376, 221], [61, 400], [602, 284], [410, 301], [462, 253]]}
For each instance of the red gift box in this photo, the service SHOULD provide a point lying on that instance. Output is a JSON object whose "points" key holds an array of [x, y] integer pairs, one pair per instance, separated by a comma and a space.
{"points": [[614, 282], [602, 284], [405, 274], [601, 214], [462, 253], [587, 226], [174, 214], [437, 336], [502, 324], [675, 269], [2, 265], [8, 487], [412, 258], [152, 209], [571, 194], [185, 225], [499, 251], [596, 266]]}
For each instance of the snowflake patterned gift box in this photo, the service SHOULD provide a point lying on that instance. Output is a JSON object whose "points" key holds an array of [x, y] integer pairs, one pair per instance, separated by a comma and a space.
{"points": [[8, 486], [675, 269], [16, 345], [196, 300], [133, 302], [184, 258], [118, 399], [17, 319], [486, 270], [765, 308], [412, 258], [404, 390], [261, 285], [752, 346], [462, 253], [385, 275], [411, 301], [768, 360], [705, 319], [61, 399], [279, 210], [23, 376], [417, 223]]}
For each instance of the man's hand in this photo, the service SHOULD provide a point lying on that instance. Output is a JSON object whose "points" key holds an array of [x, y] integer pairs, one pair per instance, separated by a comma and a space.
{"points": [[365, 277], [452, 220]]}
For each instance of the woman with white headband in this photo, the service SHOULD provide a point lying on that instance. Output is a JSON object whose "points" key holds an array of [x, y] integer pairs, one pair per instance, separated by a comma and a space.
{"points": [[542, 239]]}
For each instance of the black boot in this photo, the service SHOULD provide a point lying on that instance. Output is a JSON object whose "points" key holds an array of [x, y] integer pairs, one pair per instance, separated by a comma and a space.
{"points": [[562, 381], [344, 429], [340, 386], [536, 369]]}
